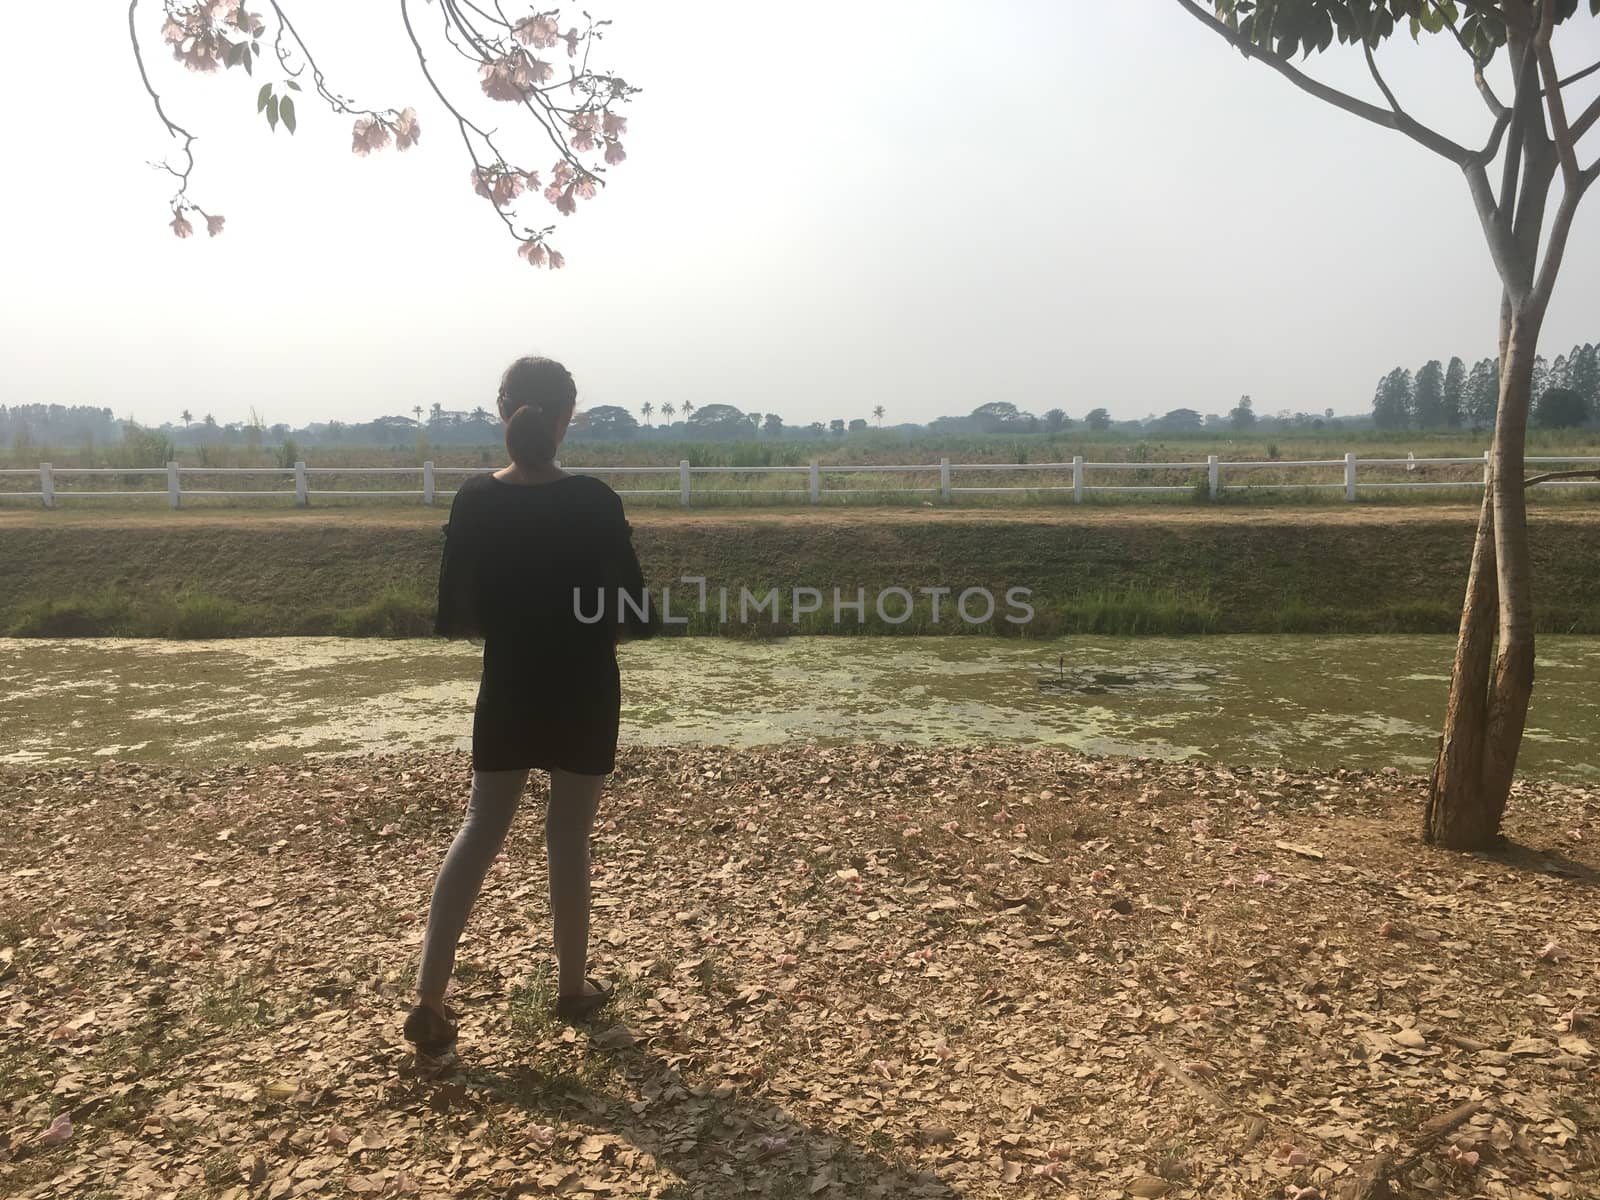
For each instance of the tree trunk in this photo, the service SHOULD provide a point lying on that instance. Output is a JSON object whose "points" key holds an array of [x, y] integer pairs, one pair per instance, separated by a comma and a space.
{"points": [[1485, 714]]}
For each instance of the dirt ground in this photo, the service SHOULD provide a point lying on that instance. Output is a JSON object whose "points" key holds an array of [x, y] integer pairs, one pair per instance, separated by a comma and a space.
{"points": [[843, 972]]}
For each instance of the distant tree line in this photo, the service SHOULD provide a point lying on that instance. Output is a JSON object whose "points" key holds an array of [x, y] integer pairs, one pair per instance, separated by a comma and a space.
{"points": [[1434, 398], [1566, 394]]}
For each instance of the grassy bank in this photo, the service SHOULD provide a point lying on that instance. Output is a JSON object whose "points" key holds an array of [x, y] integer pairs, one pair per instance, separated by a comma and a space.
{"points": [[1158, 572]]}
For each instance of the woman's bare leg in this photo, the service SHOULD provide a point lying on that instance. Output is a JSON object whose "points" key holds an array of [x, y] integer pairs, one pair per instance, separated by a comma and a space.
{"points": [[495, 796], [569, 820]]}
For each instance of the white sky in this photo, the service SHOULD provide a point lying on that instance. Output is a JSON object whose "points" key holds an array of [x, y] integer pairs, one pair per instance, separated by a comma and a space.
{"points": [[921, 204]]}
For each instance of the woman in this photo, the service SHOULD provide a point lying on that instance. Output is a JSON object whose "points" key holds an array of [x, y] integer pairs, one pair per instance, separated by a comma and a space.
{"points": [[526, 551]]}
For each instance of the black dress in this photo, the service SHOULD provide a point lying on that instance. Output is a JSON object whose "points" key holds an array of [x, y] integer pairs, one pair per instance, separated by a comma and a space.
{"points": [[545, 574]]}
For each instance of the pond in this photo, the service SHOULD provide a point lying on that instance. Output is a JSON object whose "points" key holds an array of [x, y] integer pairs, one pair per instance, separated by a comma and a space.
{"points": [[1291, 700]]}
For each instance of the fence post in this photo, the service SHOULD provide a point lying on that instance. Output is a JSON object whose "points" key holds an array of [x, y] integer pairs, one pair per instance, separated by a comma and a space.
{"points": [[1077, 479], [683, 482], [302, 494], [1213, 475], [816, 483], [173, 491], [47, 485], [1485, 468], [1350, 476], [427, 482], [944, 480]]}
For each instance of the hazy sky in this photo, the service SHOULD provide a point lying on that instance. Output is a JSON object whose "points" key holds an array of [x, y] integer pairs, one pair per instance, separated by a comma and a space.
{"points": [[924, 205]]}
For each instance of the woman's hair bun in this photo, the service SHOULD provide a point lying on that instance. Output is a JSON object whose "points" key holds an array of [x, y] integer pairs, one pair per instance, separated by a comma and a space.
{"points": [[536, 396]]}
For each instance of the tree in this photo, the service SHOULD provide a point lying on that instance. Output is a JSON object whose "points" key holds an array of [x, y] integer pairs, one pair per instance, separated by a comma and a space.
{"points": [[581, 117], [1098, 420], [1481, 394], [668, 411], [858, 425], [721, 422], [773, 425], [647, 409], [1534, 141], [1560, 408], [836, 427], [1391, 405], [1242, 415], [610, 421], [1179, 420], [1455, 382], [1427, 397], [1583, 376], [186, 416], [877, 415], [1055, 420], [998, 416]]}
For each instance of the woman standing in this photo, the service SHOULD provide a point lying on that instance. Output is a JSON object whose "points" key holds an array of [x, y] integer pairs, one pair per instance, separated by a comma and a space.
{"points": [[526, 551]]}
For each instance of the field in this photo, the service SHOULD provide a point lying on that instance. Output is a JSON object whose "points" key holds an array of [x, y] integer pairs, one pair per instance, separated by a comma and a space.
{"points": [[844, 972], [1119, 570]]}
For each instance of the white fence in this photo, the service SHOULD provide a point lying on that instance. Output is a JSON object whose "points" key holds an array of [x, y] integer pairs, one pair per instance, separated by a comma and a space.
{"points": [[1214, 474]]}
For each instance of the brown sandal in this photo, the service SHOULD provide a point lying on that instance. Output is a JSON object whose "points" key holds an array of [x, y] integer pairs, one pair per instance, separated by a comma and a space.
{"points": [[581, 1008]]}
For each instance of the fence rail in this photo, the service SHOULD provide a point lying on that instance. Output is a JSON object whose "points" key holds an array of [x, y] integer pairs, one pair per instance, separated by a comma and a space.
{"points": [[1208, 474]]}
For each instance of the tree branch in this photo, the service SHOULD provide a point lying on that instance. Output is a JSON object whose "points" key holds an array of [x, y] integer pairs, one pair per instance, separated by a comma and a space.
{"points": [[1395, 118], [173, 128], [1550, 476], [1571, 173], [1484, 89]]}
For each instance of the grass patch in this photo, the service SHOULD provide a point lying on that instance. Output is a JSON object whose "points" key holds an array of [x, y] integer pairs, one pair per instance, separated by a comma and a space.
{"points": [[104, 613], [202, 615], [395, 613], [1132, 612]]}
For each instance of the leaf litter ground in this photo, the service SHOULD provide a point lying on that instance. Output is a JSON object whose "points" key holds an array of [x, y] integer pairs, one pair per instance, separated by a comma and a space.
{"points": [[853, 972]]}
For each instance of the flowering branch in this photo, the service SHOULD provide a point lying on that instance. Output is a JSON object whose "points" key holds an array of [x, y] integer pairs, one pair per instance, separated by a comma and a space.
{"points": [[577, 115]]}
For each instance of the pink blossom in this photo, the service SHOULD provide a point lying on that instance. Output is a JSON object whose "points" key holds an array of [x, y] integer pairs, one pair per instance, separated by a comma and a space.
{"points": [[540, 71], [537, 31], [1550, 951], [370, 134], [614, 124], [534, 252], [585, 188], [172, 33], [583, 140], [180, 224], [407, 130], [557, 260], [1264, 878], [214, 225], [507, 78], [614, 151]]}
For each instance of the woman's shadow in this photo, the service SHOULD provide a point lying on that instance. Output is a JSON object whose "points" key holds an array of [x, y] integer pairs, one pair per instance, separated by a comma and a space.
{"points": [[717, 1141]]}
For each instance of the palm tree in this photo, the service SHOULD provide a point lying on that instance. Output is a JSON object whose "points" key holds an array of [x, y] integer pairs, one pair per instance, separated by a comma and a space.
{"points": [[687, 409], [668, 411], [647, 408], [417, 412], [210, 421], [480, 414], [878, 413], [187, 417]]}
